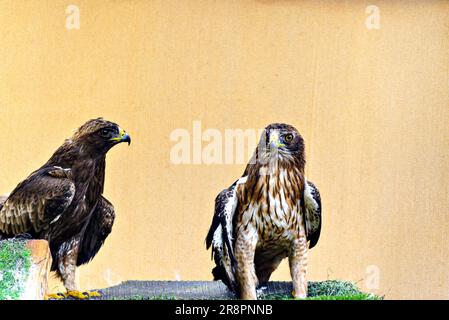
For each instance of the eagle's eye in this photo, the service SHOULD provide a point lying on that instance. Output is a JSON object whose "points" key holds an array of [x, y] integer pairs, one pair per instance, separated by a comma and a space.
{"points": [[104, 133], [288, 137]]}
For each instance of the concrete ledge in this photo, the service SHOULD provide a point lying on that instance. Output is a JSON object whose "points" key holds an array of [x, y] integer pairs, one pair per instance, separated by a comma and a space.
{"points": [[216, 290], [36, 285], [167, 290]]}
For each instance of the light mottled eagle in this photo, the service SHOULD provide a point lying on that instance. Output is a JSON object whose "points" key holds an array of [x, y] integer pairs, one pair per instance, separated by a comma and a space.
{"points": [[270, 213], [62, 202]]}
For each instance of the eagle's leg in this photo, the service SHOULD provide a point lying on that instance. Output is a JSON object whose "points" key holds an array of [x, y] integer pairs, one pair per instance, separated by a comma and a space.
{"points": [[67, 257], [298, 266], [66, 264], [245, 248]]}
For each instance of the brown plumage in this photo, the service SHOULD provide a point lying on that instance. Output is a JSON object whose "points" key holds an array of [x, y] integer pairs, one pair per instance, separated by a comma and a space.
{"points": [[271, 213], [62, 201]]}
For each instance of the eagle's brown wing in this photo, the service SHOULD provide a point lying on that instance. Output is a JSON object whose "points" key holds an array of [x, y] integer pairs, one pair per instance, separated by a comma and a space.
{"points": [[97, 230], [220, 235], [312, 201], [37, 201]]}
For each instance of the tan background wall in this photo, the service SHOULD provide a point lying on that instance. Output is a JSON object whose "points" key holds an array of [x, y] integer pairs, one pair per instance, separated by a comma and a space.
{"points": [[373, 106]]}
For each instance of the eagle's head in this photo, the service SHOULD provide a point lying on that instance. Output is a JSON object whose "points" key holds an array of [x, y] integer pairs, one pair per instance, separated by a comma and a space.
{"points": [[281, 142], [100, 135]]}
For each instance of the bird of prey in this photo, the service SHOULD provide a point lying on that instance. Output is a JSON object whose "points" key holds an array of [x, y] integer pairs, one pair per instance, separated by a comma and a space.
{"points": [[270, 213], [62, 202]]}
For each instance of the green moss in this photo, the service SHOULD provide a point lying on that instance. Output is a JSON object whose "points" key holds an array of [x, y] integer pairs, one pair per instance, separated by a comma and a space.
{"points": [[15, 262], [361, 296], [332, 288], [329, 290]]}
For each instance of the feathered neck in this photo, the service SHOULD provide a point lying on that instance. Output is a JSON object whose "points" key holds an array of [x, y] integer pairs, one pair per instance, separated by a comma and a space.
{"points": [[263, 157], [76, 153], [287, 172], [87, 167]]}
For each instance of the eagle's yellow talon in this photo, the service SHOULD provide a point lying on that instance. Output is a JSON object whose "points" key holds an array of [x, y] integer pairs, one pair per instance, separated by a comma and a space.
{"points": [[55, 296], [94, 294], [83, 295], [77, 294], [73, 294]]}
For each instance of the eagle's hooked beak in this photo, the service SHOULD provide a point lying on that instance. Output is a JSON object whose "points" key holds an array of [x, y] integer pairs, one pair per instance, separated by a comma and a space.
{"points": [[274, 139], [122, 137]]}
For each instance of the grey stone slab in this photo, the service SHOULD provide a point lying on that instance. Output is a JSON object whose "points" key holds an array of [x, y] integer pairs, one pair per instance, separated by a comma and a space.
{"points": [[188, 290]]}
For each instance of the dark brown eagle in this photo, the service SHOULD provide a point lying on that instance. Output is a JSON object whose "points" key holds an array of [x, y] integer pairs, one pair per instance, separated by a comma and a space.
{"points": [[62, 201], [270, 213]]}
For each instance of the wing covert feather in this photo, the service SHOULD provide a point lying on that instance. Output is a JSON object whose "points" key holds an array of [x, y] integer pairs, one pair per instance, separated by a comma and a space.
{"points": [[37, 201]]}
